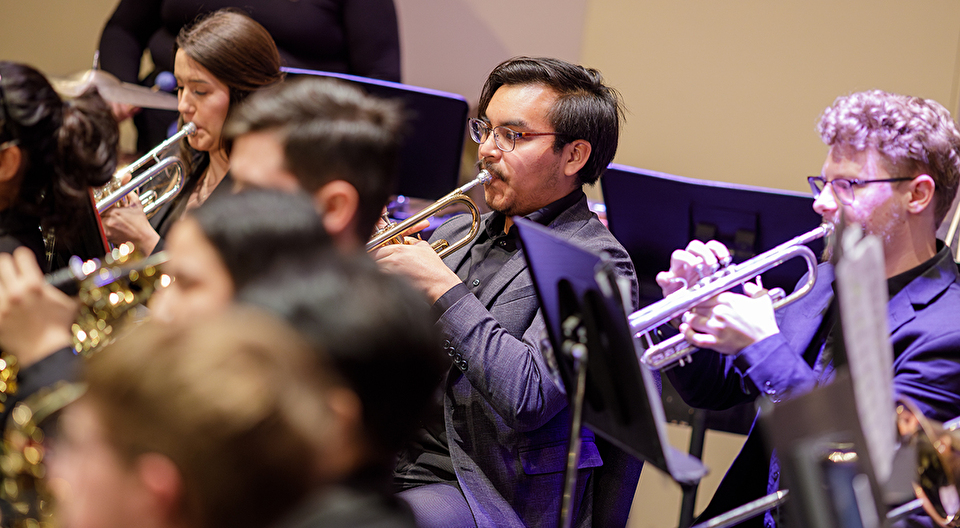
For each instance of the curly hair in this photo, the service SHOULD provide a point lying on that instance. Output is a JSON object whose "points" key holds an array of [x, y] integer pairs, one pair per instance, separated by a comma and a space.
{"points": [[913, 135], [585, 108], [68, 145]]}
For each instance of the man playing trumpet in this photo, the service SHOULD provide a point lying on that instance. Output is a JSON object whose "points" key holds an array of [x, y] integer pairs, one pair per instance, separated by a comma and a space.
{"points": [[545, 128], [892, 168]]}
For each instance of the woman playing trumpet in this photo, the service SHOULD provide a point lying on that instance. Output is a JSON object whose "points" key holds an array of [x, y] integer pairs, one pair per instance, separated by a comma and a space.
{"points": [[219, 61]]}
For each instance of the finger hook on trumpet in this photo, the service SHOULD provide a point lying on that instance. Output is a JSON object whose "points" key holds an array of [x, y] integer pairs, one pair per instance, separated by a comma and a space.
{"points": [[392, 233]]}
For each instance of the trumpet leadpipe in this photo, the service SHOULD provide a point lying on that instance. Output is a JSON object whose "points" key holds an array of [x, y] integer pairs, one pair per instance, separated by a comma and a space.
{"points": [[393, 233]]}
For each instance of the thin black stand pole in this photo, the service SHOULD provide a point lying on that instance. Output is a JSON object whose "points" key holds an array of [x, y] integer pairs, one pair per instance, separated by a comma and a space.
{"points": [[578, 352]]}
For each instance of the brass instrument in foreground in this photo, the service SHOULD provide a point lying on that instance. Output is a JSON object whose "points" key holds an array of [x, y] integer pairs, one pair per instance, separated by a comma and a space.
{"points": [[938, 463], [392, 233], [676, 350], [109, 291], [156, 185]]}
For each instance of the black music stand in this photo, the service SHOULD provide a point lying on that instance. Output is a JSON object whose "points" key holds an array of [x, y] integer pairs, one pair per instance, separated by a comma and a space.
{"points": [[582, 305], [433, 140], [653, 213], [816, 436]]}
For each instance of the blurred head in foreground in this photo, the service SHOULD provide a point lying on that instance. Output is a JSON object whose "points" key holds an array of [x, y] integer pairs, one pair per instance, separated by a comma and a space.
{"points": [[217, 249], [225, 422]]}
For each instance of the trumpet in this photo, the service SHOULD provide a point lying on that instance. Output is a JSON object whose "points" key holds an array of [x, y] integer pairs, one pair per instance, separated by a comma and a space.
{"points": [[151, 197], [392, 233], [676, 350]]}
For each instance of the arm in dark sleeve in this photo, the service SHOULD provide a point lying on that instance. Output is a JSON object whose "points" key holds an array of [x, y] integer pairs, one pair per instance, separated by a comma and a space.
{"points": [[511, 373], [126, 35], [62, 365], [716, 381], [373, 38]]}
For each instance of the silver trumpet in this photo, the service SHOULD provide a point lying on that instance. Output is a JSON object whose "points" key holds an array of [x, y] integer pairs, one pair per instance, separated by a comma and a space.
{"points": [[392, 233], [676, 350], [164, 178]]}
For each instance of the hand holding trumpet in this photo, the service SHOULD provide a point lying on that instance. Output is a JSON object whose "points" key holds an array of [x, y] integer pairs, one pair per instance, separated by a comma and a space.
{"points": [[727, 322], [126, 222], [419, 263]]}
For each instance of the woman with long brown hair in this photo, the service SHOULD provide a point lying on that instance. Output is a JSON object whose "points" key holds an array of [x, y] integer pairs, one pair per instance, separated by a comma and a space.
{"points": [[220, 60]]}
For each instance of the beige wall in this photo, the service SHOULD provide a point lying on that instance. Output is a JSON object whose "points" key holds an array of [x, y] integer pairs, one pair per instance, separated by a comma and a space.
{"points": [[731, 91], [57, 36], [717, 90]]}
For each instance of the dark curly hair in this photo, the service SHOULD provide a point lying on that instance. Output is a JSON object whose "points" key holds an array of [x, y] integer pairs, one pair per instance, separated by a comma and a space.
{"points": [[68, 146]]}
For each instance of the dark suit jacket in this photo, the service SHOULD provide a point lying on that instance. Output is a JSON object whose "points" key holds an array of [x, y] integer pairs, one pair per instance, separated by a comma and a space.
{"points": [[925, 334], [506, 420]]}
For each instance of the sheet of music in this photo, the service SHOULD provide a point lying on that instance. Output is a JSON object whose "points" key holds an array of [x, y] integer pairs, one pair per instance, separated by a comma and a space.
{"points": [[862, 289]]}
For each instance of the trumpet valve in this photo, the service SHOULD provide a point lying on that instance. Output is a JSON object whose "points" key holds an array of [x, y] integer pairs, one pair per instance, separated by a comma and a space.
{"points": [[440, 245]]}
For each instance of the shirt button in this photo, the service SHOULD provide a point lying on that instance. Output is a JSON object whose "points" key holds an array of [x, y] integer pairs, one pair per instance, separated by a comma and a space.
{"points": [[476, 282], [503, 243]]}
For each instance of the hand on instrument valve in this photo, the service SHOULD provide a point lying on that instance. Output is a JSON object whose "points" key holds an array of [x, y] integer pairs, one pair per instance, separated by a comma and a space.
{"points": [[125, 222], [730, 322], [417, 261], [688, 266], [35, 317]]}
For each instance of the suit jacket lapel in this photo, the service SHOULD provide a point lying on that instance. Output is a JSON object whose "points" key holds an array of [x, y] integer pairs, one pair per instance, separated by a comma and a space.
{"points": [[921, 291]]}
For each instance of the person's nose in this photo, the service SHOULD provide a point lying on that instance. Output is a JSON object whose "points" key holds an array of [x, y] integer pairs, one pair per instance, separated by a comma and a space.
{"points": [[488, 148], [826, 202], [184, 104]]}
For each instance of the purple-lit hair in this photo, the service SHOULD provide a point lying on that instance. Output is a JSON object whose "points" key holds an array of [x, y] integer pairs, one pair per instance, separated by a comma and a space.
{"points": [[913, 135]]}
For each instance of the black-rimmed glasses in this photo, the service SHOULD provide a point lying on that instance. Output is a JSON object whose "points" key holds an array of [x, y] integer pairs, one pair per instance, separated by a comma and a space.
{"points": [[842, 187], [503, 137]]}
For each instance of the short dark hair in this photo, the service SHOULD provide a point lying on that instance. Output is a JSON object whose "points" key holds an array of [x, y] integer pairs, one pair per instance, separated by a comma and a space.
{"points": [[585, 109], [330, 130], [257, 227], [376, 330]]}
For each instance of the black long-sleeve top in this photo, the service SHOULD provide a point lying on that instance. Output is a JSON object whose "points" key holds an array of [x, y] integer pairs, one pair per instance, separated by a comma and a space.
{"points": [[358, 37]]}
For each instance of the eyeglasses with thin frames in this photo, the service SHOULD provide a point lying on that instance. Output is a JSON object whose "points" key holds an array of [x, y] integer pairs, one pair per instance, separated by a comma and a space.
{"points": [[843, 187], [503, 137]]}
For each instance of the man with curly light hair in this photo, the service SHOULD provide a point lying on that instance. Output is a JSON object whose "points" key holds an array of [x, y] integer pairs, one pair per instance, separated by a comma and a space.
{"points": [[893, 168]]}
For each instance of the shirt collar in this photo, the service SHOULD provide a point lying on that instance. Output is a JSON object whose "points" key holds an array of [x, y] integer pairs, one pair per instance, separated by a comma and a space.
{"points": [[543, 216]]}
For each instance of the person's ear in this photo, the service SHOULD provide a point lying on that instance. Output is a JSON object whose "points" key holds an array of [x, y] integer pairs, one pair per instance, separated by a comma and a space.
{"points": [[921, 193], [575, 156], [163, 482], [10, 160], [338, 202]]}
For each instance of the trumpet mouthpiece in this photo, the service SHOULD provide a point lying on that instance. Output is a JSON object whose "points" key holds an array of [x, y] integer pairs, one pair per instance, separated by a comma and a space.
{"points": [[484, 177]]}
